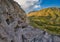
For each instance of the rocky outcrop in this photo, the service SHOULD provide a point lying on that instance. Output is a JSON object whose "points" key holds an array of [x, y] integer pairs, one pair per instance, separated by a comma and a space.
{"points": [[14, 25], [31, 34], [12, 19]]}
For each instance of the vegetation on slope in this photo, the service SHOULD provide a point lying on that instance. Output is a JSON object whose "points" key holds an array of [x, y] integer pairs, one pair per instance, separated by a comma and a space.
{"points": [[47, 19]]}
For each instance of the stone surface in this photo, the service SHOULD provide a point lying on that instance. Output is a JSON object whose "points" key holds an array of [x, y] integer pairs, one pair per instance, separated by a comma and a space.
{"points": [[14, 25], [37, 35], [12, 18]]}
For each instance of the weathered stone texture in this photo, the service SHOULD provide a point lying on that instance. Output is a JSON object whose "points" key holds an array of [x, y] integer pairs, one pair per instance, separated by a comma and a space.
{"points": [[12, 18], [14, 25]]}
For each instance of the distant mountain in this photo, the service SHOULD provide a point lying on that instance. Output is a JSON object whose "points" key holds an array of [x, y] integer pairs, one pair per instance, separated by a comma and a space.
{"points": [[45, 12], [46, 19]]}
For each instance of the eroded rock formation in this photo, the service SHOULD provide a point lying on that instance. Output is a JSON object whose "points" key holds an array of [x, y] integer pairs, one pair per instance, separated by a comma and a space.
{"points": [[12, 19], [14, 26]]}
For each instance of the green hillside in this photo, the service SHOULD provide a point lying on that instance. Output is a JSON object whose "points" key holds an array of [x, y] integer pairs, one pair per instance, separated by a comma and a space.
{"points": [[47, 19]]}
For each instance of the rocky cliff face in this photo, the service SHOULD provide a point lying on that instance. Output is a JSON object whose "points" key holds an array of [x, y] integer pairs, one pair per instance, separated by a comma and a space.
{"points": [[14, 26]]}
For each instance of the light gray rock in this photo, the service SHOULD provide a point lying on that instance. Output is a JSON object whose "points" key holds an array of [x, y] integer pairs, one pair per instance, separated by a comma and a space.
{"points": [[14, 25], [12, 18], [37, 35]]}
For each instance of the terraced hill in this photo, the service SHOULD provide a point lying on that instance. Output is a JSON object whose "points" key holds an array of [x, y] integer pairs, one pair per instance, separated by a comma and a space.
{"points": [[47, 19]]}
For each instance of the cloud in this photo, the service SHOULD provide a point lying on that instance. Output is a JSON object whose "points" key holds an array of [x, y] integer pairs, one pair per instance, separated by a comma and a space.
{"points": [[28, 4], [37, 6]]}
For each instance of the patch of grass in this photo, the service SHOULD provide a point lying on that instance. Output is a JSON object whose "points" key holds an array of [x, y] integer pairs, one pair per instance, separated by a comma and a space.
{"points": [[46, 19], [45, 23]]}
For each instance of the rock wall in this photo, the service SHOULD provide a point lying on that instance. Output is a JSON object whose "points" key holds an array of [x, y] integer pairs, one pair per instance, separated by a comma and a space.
{"points": [[12, 19], [14, 25]]}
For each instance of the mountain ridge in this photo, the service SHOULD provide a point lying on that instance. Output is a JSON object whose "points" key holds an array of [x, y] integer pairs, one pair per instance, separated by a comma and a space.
{"points": [[46, 11], [47, 19]]}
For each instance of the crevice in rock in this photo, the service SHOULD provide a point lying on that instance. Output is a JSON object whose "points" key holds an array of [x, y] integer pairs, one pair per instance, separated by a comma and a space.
{"points": [[8, 13], [3, 38], [16, 28], [34, 39], [19, 22], [23, 38], [0, 20], [44, 32], [12, 41], [52, 36], [23, 27], [7, 20]]}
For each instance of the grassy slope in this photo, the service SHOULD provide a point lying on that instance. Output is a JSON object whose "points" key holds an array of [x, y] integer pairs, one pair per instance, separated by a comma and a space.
{"points": [[47, 19]]}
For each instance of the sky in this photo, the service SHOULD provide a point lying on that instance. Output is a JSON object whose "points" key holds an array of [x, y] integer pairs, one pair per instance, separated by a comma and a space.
{"points": [[34, 5]]}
